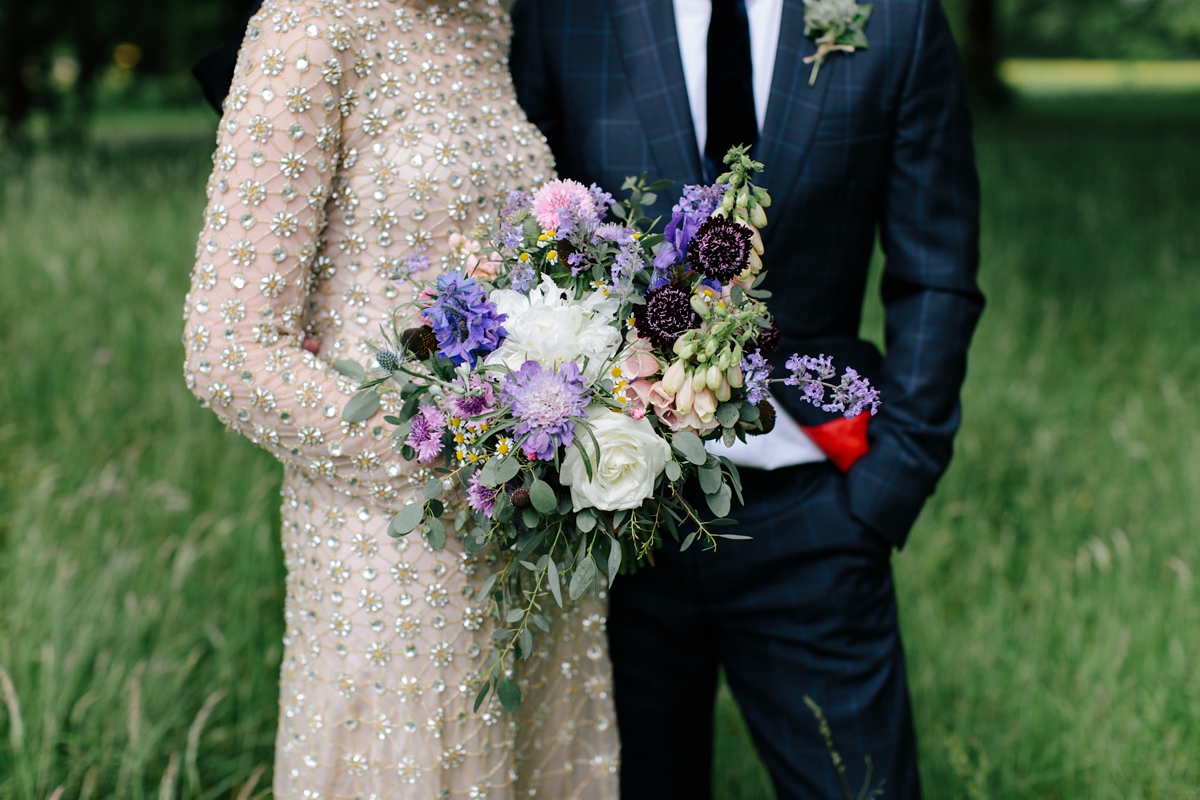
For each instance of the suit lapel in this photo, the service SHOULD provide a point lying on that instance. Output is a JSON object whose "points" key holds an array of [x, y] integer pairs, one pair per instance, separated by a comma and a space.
{"points": [[649, 48], [794, 107]]}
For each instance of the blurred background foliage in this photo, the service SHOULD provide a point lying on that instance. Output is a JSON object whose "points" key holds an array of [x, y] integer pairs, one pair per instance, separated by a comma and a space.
{"points": [[63, 60], [1048, 598]]}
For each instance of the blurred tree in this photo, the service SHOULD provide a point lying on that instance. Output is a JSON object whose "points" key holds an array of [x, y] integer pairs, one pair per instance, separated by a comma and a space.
{"points": [[53, 53], [1142, 29]]}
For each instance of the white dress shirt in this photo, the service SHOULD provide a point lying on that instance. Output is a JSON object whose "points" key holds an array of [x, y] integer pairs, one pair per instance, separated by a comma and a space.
{"points": [[787, 444]]}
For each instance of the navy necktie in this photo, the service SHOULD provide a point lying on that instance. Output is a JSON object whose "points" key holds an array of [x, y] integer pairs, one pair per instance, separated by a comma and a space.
{"points": [[730, 90]]}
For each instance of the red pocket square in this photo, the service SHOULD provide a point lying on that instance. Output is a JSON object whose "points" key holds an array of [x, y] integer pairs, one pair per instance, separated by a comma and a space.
{"points": [[843, 440]]}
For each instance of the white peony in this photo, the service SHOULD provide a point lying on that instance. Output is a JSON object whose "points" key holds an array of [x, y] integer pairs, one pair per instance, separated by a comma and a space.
{"points": [[632, 456], [549, 328]]}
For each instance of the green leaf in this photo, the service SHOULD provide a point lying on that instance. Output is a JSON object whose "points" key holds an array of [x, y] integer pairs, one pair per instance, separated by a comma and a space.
{"points": [[361, 407], [486, 589], [528, 542], [649, 199], [587, 461], [409, 409], [618, 211], [736, 294], [507, 469], [503, 510], [543, 497], [564, 505], [855, 39], [525, 639], [516, 615], [487, 475], [585, 573], [688, 445], [687, 542], [552, 579], [530, 517], [351, 369], [614, 558], [673, 470], [710, 478], [435, 533], [728, 414], [510, 695], [660, 185], [409, 517], [759, 294], [539, 622], [502, 634], [585, 521], [735, 478], [483, 693], [718, 502], [749, 412], [432, 489], [435, 508]]}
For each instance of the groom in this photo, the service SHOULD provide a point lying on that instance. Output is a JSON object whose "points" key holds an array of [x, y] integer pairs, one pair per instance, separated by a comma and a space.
{"points": [[878, 144]]}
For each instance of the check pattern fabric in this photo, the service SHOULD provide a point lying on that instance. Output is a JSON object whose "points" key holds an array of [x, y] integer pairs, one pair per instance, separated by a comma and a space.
{"points": [[880, 145]]}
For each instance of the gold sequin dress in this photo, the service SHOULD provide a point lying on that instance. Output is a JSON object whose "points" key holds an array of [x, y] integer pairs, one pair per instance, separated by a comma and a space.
{"points": [[357, 139]]}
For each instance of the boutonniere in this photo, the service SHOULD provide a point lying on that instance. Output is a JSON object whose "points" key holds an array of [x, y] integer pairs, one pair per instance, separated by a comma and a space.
{"points": [[836, 26]]}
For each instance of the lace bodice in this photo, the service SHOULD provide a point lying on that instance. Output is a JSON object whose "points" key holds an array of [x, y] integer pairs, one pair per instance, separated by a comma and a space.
{"points": [[357, 138]]}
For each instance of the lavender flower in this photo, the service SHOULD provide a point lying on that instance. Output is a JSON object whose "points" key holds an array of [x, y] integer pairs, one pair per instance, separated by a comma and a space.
{"points": [[480, 497], [522, 278], [426, 434], [547, 403], [851, 397], [516, 201], [756, 373], [628, 263], [465, 322], [603, 201]]}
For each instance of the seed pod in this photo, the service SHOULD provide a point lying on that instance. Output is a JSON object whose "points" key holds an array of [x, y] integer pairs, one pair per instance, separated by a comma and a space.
{"points": [[419, 342], [520, 499]]}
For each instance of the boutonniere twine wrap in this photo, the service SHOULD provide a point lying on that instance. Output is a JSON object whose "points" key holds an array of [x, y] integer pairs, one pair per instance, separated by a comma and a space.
{"points": [[837, 27]]}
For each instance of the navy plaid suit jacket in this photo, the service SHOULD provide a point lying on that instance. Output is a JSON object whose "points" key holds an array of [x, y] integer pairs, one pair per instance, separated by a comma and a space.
{"points": [[881, 144]]}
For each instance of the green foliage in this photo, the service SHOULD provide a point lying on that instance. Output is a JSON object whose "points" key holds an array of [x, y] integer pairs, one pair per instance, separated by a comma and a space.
{"points": [[1047, 594], [1145, 29]]}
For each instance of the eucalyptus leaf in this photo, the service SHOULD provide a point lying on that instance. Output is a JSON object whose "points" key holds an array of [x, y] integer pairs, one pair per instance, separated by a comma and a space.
{"points": [[516, 615], [486, 589], [361, 407], [749, 412], [585, 521], [728, 414], [564, 505], [673, 470], [483, 693], [530, 517], [435, 533], [409, 517], [351, 369], [718, 502], [614, 558], [432, 489], [487, 475], [507, 469], [525, 638], [539, 622], [510, 695], [710, 478], [585, 573], [688, 445], [552, 579], [687, 541], [543, 497]]}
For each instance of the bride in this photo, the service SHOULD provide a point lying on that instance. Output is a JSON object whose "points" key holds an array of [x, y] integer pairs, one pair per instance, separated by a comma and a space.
{"points": [[359, 141]]}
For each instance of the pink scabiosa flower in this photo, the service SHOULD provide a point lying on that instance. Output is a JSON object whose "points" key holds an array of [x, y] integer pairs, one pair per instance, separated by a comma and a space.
{"points": [[479, 399], [547, 403], [426, 434], [480, 497], [558, 195]]}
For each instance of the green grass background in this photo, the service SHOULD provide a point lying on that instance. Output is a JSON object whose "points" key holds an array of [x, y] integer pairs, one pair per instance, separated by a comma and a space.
{"points": [[1047, 593]]}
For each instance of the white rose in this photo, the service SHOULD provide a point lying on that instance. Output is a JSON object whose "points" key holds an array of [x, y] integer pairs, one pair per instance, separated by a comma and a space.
{"points": [[632, 456], [551, 329]]}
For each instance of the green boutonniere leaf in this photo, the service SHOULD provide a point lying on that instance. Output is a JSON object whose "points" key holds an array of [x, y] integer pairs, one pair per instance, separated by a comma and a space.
{"points": [[837, 26]]}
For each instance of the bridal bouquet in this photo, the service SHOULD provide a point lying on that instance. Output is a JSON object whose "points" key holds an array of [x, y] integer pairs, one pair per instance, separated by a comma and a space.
{"points": [[567, 373]]}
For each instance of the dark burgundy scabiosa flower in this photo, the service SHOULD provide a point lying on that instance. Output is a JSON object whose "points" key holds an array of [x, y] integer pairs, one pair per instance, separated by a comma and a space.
{"points": [[766, 343], [720, 250], [666, 315]]}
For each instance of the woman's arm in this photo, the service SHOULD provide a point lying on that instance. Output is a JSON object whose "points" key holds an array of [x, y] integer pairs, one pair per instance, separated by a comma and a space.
{"points": [[277, 156]]}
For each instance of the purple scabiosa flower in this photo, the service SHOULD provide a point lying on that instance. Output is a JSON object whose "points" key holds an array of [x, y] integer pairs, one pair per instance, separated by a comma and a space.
{"points": [[426, 435], [666, 315], [756, 373], [547, 403], [480, 497], [612, 232], [463, 319], [479, 400], [720, 249]]}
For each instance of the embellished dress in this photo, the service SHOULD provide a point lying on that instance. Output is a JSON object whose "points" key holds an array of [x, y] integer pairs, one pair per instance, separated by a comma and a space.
{"points": [[359, 141]]}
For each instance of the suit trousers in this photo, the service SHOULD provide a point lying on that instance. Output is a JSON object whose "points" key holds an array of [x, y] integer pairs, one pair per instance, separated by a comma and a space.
{"points": [[806, 609]]}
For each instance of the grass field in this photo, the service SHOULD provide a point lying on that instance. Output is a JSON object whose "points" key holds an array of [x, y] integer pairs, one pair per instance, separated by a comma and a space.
{"points": [[1047, 593]]}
